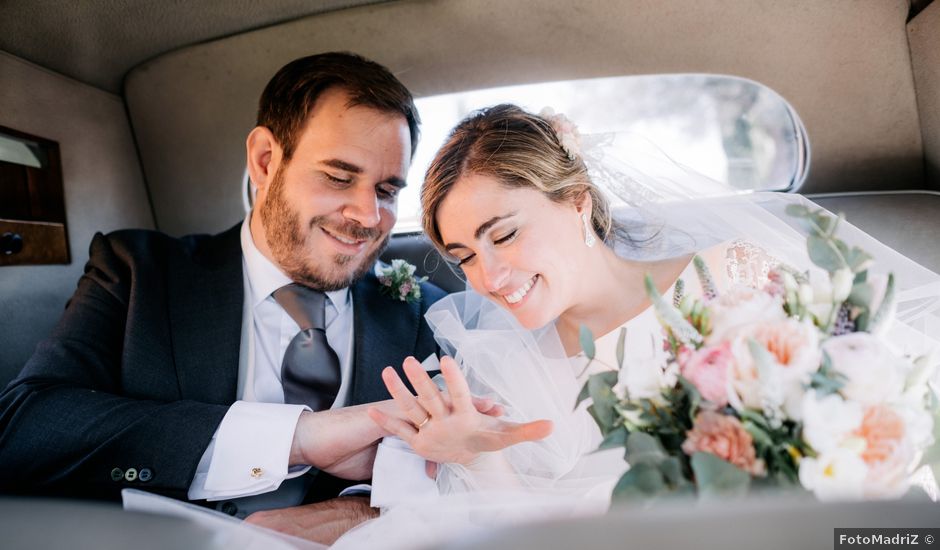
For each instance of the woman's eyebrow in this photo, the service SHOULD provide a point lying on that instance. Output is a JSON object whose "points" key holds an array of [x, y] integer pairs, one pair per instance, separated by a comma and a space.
{"points": [[481, 230], [489, 223]]}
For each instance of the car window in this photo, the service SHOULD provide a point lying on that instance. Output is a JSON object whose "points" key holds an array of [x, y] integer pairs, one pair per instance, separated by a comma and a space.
{"points": [[730, 129]]}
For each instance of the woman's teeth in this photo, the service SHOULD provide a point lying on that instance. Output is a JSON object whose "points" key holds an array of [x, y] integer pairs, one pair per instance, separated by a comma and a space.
{"points": [[518, 295]]}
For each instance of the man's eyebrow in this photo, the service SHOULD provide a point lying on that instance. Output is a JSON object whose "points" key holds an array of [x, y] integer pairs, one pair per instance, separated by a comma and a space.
{"points": [[353, 169], [396, 181], [342, 165]]}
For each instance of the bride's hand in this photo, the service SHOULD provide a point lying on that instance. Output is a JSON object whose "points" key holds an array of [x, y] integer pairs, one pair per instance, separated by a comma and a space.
{"points": [[448, 427]]}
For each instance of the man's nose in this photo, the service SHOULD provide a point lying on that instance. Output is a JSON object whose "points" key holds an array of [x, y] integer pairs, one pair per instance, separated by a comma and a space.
{"points": [[363, 207]]}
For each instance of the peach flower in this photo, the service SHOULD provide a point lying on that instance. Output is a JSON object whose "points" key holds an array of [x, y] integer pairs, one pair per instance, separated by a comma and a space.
{"points": [[707, 369], [887, 452], [724, 437], [741, 306], [794, 347]]}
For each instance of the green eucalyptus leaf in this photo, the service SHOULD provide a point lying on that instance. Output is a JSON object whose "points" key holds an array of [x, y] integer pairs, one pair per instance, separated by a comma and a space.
{"points": [[587, 341], [857, 259], [718, 479], [861, 294], [672, 471], [584, 394], [642, 448], [797, 211], [755, 418], [824, 222], [641, 482], [841, 246], [761, 438], [823, 253], [600, 389], [615, 439], [884, 309]]}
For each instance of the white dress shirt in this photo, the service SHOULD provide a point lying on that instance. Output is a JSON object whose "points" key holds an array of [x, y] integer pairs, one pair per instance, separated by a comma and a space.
{"points": [[249, 453]]}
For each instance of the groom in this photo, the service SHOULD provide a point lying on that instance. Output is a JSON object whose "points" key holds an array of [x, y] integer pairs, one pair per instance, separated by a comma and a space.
{"points": [[176, 367]]}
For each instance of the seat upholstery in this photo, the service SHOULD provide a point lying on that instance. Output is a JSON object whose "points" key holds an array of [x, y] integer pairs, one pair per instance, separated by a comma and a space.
{"points": [[908, 221]]}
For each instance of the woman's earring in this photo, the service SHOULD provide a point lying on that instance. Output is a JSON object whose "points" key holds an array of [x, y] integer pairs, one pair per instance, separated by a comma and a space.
{"points": [[589, 238]]}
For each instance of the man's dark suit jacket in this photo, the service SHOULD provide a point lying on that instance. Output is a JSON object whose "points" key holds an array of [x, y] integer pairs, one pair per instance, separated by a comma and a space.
{"points": [[143, 366]]}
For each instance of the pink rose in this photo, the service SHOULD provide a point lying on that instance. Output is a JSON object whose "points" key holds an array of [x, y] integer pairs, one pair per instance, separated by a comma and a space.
{"points": [[724, 437], [707, 369], [386, 281], [404, 289]]}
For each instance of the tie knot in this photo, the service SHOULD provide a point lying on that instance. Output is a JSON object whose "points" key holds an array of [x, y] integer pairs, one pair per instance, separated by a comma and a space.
{"points": [[304, 305]]}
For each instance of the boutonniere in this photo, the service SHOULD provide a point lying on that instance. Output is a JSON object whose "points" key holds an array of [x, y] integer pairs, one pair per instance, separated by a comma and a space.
{"points": [[398, 280]]}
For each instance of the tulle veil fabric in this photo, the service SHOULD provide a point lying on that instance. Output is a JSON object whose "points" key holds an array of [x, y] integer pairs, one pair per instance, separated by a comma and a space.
{"points": [[660, 216]]}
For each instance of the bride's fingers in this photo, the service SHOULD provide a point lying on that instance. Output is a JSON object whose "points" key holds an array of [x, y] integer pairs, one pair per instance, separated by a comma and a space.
{"points": [[429, 395], [456, 385], [487, 406], [392, 425], [403, 398], [513, 434]]}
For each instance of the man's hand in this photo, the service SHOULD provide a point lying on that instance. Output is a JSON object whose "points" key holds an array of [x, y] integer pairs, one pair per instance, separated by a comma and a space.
{"points": [[323, 522], [448, 427]]}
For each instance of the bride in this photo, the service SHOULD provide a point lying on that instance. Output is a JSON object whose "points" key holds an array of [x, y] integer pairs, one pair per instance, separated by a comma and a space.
{"points": [[513, 200]]}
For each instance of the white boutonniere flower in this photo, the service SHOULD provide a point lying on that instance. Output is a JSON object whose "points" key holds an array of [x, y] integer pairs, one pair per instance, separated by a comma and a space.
{"points": [[398, 280]]}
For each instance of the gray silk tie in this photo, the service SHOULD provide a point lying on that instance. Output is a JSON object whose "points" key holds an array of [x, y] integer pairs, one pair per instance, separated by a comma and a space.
{"points": [[310, 371]]}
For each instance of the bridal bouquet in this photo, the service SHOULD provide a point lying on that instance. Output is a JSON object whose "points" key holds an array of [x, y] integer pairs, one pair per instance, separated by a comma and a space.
{"points": [[789, 385]]}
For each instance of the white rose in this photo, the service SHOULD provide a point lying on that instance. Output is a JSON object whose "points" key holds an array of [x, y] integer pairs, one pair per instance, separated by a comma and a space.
{"points": [[641, 378], [874, 374], [829, 420], [742, 305], [835, 475], [805, 294]]}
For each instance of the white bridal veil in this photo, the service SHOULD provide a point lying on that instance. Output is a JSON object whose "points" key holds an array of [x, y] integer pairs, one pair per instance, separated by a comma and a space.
{"points": [[670, 212]]}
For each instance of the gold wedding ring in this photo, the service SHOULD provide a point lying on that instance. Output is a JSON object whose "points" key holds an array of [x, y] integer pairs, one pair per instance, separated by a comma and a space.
{"points": [[423, 422]]}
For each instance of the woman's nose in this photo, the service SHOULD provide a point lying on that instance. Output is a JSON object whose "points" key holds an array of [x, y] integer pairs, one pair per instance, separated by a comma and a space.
{"points": [[494, 272]]}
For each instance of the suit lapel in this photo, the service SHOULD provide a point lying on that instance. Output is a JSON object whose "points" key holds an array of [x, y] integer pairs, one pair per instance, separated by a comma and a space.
{"points": [[206, 292], [386, 331]]}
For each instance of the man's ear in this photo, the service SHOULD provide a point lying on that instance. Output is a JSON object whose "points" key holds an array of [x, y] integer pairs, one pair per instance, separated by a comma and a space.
{"points": [[264, 158]]}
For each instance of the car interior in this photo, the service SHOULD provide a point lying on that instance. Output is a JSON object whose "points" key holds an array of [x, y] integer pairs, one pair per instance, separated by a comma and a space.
{"points": [[138, 111]]}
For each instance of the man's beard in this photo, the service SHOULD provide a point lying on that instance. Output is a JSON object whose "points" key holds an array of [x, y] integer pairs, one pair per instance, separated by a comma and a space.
{"points": [[287, 240]]}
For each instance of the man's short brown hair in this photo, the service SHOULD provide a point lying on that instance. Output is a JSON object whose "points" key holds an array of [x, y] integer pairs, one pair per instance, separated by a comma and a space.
{"points": [[287, 99]]}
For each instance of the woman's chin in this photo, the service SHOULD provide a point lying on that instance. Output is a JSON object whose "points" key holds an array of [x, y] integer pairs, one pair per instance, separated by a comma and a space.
{"points": [[531, 320]]}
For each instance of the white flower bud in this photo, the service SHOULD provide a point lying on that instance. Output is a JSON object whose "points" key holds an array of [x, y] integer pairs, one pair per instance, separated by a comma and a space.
{"points": [[842, 284], [789, 282], [805, 294]]}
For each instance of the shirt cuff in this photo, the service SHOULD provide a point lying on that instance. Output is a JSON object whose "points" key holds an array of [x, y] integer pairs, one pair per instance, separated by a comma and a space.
{"points": [[356, 490], [249, 453], [399, 474]]}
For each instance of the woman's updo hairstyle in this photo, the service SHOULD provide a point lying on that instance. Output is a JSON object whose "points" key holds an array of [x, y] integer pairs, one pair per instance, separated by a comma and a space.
{"points": [[517, 149]]}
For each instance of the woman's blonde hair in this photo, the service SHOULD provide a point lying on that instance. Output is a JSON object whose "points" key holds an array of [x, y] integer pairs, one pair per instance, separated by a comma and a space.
{"points": [[518, 149]]}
